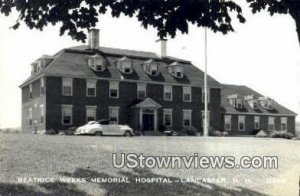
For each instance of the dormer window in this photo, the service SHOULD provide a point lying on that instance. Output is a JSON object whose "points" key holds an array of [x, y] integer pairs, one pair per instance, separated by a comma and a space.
{"points": [[267, 103], [239, 103], [125, 65], [151, 67], [176, 69], [34, 67], [236, 101], [97, 63], [255, 105], [252, 100], [41, 63]]}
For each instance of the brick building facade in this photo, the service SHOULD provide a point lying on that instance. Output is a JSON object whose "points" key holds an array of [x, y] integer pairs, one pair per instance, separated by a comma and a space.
{"points": [[141, 89], [245, 112], [146, 91]]}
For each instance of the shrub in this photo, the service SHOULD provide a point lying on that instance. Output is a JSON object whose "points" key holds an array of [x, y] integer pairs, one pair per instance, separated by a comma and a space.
{"points": [[70, 131], [190, 130], [51, 132], [281, 134]]}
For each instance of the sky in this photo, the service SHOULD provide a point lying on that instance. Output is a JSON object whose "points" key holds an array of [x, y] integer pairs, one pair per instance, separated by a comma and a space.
{"points": [[263, 54]]}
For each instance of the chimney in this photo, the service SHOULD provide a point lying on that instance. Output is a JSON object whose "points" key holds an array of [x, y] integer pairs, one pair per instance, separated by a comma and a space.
{"points": [[93, 39], [163, 47]]}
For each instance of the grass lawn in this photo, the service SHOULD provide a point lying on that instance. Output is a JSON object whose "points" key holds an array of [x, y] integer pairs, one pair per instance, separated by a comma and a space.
{"points": [[29, 156]]}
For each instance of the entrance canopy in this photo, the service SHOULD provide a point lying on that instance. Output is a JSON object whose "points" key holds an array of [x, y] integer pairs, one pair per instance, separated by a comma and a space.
{"points": [[148, 103]]}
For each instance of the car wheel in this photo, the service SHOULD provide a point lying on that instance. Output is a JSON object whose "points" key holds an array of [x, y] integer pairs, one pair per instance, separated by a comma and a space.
{"points": [[127, 134], [98, 133]]}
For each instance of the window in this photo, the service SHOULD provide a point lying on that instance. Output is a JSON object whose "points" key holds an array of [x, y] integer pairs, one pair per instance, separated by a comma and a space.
{"points": [[256, 122], [67, 86], [208, 95], [271, 123], [91, 113], [42, 114], [67, 114], [151, 67], [255, 105], [168, 92], [114, 89], [30, 91], [114, 114], [239, 103], [168, 117], [241, 123], [153, 70], [227, 122], [97, 63], [176, 70], [141, 90], [30, 116], [42, 88], [125, 65], [187, 94], [187, 118], [91, 88], [283, 125]]}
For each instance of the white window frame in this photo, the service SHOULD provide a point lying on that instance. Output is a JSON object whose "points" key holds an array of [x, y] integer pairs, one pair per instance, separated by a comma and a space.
{"points": [[42, 114], [208, 95], [242, 119], [93, 109], [271, 121], [110, 111], [149, 67], [91, 84], [187, 90], [239, 103], [30, 121], [176, 69], [227, 120], [256, 122], [255, 105], [168, 88], [153, 67], [123, 64], [62, 114], [168, 112], [114, 85], [30, 91], [283, 120], [99, 62], [66, 82], [189, 114], [141, 87], [42, 86]]}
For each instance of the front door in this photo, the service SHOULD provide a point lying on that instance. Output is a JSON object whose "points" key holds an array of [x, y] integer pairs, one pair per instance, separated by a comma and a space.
{"points": [[148, 122]]}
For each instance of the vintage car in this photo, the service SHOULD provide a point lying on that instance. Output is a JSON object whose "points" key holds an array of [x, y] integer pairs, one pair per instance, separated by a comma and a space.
{"points": [[104, 127]]}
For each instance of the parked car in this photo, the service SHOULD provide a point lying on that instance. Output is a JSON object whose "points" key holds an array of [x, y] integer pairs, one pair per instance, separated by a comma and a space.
{"points": [[104, 127]]}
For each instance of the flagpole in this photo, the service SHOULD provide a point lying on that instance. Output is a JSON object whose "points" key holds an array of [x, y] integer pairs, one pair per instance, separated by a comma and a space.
{"points": [[205, 134]]}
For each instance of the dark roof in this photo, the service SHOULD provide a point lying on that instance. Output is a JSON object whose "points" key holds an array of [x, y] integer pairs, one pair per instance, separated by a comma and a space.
{"points": [[227, 90], [72, 62]]}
